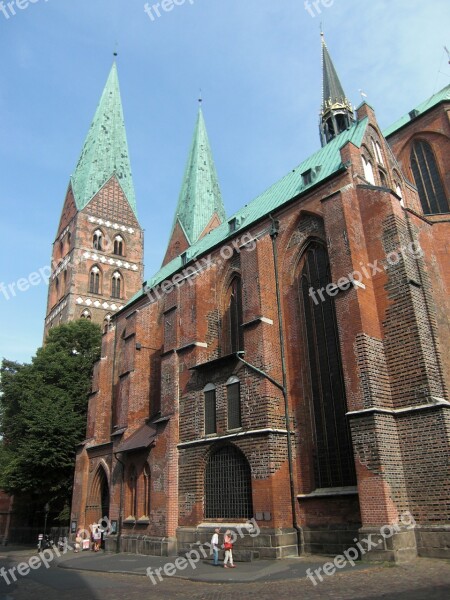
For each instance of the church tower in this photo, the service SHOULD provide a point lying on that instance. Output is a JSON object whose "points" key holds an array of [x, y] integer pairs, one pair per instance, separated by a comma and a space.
{"points": [[97, 259], [336, 114], [200, 207]]}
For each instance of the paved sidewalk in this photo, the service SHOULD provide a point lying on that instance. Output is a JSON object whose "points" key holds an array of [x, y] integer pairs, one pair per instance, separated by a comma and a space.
{"points": [[200, 571]]}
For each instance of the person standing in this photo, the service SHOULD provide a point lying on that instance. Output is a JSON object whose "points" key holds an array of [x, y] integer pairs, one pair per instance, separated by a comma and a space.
{"points": [[228, 547], [215, 546]]}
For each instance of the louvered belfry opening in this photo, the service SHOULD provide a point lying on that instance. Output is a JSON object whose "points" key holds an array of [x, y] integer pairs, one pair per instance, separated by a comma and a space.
{"points": [[228, 485], [333, 453]]}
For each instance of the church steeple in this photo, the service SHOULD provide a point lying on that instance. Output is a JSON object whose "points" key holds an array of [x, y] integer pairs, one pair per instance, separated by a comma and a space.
{"points": [[105, 150], [97, 258], [336, 113], [200, 207]]}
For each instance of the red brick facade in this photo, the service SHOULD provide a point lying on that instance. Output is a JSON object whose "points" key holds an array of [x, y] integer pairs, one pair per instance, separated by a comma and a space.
{"points": [[75, 253], [392, 333]]}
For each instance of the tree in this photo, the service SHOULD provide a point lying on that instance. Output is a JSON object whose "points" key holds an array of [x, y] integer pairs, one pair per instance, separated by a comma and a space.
{"points": [[43, 410]]}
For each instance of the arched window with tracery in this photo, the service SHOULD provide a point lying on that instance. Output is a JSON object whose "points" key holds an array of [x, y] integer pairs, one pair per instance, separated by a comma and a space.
{"points": [[233, 332], [228, 485], [94, 280], [116, 285], [97, 240], [428, 179], [331, 440], [118, 245], [86, 315]]}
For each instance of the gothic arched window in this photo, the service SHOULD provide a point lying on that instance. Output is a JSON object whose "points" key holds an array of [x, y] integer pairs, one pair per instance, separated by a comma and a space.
{"points": [[86, 315], [106, 323], [332, 447], [234, 403], [228, 485], [234, 335], [97, 240], [210, 409], [94, 280], [368, 170], [116, 285], [427, 178], [118, 245], [146, 480], [132, 492]]}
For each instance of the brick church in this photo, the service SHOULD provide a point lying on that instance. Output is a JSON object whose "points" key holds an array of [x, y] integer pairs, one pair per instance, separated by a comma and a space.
{"points": [[287, 363]]}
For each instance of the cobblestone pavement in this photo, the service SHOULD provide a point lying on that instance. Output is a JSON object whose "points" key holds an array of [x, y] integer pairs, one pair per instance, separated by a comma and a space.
{"points": [[424, 579]]}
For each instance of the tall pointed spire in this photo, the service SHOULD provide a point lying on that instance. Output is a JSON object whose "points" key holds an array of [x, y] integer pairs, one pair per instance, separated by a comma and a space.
{"points": [[200, 207], [105, 151], [336, 113]]}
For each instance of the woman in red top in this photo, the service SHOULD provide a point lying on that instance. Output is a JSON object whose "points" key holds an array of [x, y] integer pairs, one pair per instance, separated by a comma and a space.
{"points": [[228, 547]]}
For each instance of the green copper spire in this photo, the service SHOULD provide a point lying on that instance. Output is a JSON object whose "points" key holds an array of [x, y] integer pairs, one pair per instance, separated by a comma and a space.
{"points": [[336, 112], [200, 198], [105, 151]]}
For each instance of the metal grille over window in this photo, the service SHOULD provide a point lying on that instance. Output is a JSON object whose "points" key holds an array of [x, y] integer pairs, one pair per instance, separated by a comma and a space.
{"points": [[228, 486], [333, 454], [234, 405], [428, 179], [210, 410]]}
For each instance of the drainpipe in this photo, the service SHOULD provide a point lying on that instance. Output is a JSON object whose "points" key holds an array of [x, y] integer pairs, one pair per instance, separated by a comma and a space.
{"points": [[274, 234], [119, 528]]}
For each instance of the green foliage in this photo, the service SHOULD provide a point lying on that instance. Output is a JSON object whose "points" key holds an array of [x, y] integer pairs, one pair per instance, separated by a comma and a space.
{"points": [[43, 410]]}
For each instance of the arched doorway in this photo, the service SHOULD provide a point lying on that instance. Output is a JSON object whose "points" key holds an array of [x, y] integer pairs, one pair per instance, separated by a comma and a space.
{"points": [[228, 485], [97, 505]]}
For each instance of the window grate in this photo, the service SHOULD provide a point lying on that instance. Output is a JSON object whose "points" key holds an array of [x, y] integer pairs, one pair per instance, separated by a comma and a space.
{"points": [[228, 486]]}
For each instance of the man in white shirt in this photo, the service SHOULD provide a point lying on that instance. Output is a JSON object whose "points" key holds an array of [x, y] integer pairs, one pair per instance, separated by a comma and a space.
{"points": [[215, 546]]}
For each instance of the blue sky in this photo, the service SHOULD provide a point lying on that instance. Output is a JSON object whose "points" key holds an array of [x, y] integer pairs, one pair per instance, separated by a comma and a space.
{"points": [[258, 64]]}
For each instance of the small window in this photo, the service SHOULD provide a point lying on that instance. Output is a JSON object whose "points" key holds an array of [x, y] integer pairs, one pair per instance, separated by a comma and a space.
{"points": [[184, 258], [307, 177], [97, 240], [94, 280], [232, 224], [210, 409], [86, 315], [368, 171], [234, 403], [116, 285], [118, 245]]}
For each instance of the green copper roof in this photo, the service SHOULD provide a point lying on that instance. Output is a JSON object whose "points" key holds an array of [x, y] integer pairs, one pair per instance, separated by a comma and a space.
{"points": [[324, 162], [441, 96], [333, 91], [105, 151], [200, 196]]}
